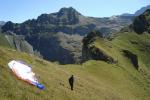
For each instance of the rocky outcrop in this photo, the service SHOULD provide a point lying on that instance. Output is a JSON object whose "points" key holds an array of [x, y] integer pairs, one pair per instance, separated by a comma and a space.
{"points": [[90, 51], [19, 43], [142, 23], [133, 57], [93, 53]]}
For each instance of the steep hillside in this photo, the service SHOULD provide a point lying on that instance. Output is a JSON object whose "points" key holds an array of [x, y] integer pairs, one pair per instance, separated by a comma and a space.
{"points": [[94, 80], [3, 41], [127, 50]]}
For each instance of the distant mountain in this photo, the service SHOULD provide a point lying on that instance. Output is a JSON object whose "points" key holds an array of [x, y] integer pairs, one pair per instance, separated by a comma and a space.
{"points": [[112, 24], [58, 36], [127, 14], [1, 24], [68, 21], [142, 10], [137, 13]]}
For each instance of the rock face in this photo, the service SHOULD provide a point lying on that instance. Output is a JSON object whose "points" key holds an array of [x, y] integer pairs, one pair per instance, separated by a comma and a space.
{"points": [[142, 23], [19, 43], [94, 53], [90, 51], [132, 57], [54, 47], [58, 36]]}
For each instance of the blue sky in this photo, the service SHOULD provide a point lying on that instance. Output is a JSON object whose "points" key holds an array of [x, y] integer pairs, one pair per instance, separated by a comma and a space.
{"points": [[21, 10]]}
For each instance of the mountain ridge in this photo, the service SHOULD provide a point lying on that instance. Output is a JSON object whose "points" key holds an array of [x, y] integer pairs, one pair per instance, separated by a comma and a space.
{"points": [[68, 24], [142, 10]]}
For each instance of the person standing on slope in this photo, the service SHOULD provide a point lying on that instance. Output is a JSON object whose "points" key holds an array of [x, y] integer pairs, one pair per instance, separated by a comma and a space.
{"points": [[71, 81]]}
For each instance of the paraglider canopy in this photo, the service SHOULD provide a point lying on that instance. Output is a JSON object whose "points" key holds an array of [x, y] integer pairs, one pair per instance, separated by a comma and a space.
{"points": [[24, 72]]}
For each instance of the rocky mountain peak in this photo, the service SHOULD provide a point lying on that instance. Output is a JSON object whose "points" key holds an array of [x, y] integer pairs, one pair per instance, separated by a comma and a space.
{"points": [[70, 10], [68, 15], [65, 16]]}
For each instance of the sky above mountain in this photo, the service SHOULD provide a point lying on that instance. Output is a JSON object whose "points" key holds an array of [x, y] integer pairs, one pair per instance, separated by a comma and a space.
{"points": [[21, 10]]}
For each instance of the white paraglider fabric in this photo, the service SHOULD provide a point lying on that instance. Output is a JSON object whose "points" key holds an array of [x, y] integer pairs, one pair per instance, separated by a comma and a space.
{"points": [[23, 71]]}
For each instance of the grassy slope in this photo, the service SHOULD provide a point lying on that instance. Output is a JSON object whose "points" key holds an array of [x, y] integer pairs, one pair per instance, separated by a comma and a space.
{"points": [[95, 80], [3, 41]]}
